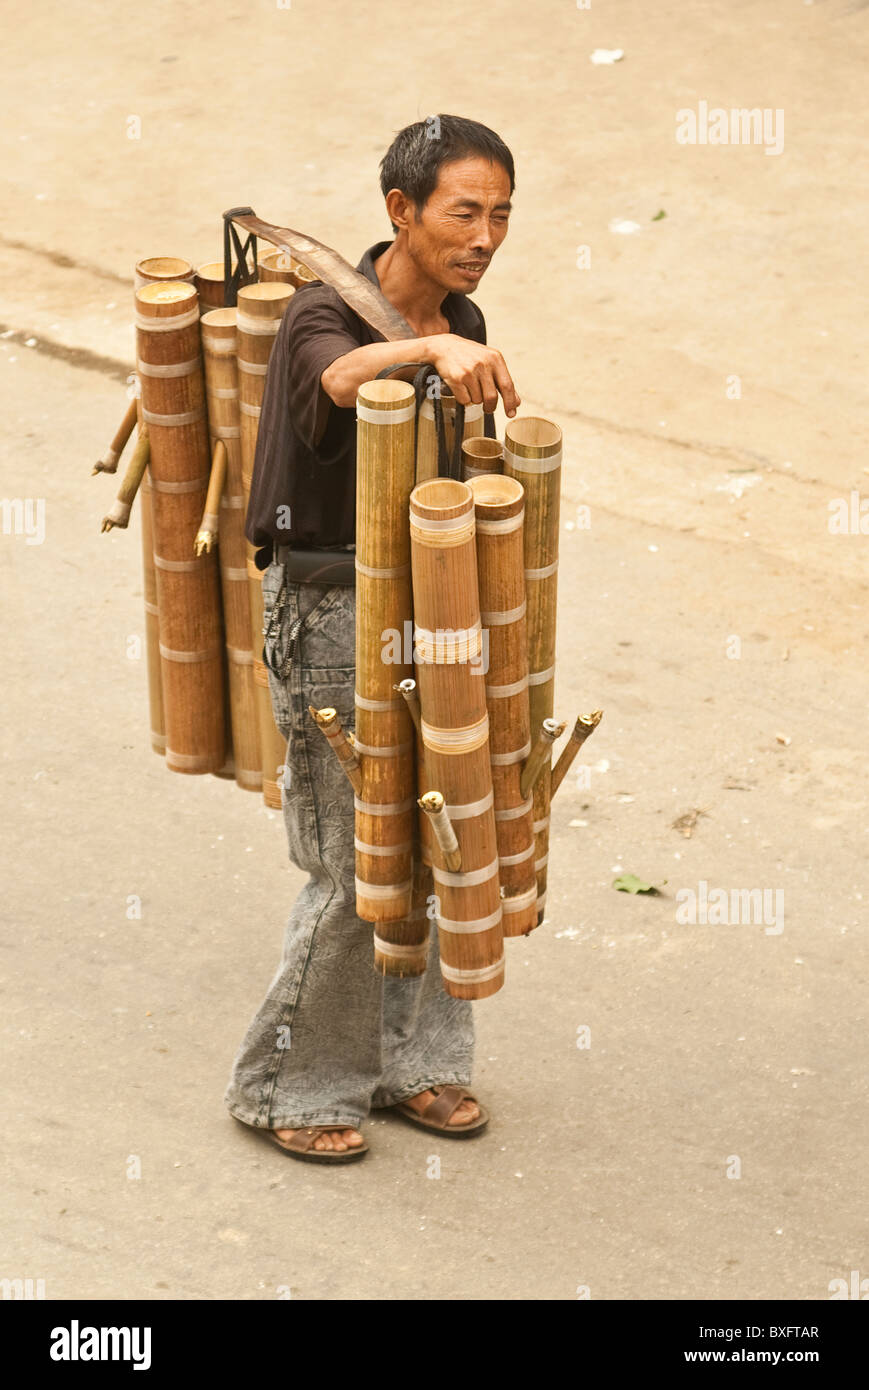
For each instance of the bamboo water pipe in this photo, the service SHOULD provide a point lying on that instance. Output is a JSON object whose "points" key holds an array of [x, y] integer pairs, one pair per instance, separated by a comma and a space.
{"points": [[119, 512], [109, 461], [259, 312], [582, 729], [329, 723], [190, 619], [385, 808], [532, 454]]}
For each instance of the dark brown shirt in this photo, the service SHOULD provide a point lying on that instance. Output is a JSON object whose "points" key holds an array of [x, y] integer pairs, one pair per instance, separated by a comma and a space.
{"points": [[303, 489]]}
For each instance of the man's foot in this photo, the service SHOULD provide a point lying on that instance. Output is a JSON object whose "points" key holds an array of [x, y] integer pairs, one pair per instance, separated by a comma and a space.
{"points": [[465, 1112], [334, 1138]]}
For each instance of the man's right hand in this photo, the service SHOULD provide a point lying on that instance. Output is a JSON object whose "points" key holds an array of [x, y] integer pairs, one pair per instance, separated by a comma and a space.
{"points": [[475, 374]]}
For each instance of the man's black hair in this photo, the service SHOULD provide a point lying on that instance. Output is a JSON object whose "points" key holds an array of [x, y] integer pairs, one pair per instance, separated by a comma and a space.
{"points": [[413, 160]]}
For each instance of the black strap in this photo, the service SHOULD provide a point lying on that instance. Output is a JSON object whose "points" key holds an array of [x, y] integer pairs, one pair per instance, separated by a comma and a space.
{"points": [[243, 274], [447, 467]]}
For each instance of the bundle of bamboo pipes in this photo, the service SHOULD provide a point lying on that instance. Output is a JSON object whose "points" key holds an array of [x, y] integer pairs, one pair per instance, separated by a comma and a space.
{"points": [[199, 385], [460, 727]]}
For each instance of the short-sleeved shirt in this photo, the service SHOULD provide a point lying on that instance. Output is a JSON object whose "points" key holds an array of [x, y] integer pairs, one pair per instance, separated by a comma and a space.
{"points": [[303, 488]]}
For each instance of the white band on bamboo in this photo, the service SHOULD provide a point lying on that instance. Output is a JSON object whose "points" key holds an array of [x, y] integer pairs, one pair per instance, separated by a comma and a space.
{"points": [[187, 759], [503, 692], [520, 901], [526, 465], [505, 616], [389, 808], [385, 417], [363, 702], [239, 655], [463, 740], [246, 409], [473, 412], [465, 809], [364, 848], [539, 825], [263, 328], [235, 573], [226, 431], [171, 655], [397, 951], [545, 573], [168, 324], [448, 646], [110, 456], [541, 677], [192, 485], [449, 523], [252, 368], [152, 609], [370, 751], [187, 417], [221, 347], [468, 878], [224, 393], [468, 977], [382, 890], [517, 756], [179, 566], [476, 924], [167, 368], [395, 572], [234, 501], [514, 812], [541, 863], [501, 527], [517, 858]]}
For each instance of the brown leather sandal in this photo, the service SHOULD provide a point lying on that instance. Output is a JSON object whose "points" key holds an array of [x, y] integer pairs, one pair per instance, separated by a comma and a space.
{"points": [[301, 1145], [437, 1113]]}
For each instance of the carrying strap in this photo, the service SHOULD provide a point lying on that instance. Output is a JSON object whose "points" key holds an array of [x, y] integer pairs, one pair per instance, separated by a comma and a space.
{"points": [[448, 467]]}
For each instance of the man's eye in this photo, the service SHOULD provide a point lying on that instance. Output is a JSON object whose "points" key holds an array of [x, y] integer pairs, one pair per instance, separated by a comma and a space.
{"points": [[463, 216]]}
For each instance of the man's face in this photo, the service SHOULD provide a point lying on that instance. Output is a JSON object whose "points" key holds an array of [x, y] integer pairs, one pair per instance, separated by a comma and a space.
{"points": [[462, 224]]}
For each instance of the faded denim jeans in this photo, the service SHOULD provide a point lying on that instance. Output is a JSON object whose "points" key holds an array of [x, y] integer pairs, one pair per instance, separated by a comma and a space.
{"points": [[333, 1038]]}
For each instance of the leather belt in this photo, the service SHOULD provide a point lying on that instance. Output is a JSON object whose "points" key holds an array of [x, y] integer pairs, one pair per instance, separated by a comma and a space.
{"points": [[317, 566]]}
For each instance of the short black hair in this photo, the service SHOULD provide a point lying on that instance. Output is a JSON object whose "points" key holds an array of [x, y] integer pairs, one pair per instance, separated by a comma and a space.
{"points": [[413, 160]]}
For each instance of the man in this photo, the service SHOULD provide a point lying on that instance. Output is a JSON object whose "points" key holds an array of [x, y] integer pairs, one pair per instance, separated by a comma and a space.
{"points": [[333, 1039]]}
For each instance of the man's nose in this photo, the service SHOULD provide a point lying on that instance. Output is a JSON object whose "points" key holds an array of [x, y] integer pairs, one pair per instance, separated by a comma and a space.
{"points": [[483, 239]]}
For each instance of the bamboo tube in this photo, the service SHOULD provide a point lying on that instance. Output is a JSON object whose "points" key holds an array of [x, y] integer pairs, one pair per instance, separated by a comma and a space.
{"points": [[408, 690], [385, 808], [154, 269], [209, 284], [481, 457], [109, 461], [191, 638], [582, 729], [219, 344], [401, 948], [455, 732], [209, 526], [329, 723], [499, 505], [119, 512], [541, 753], [152, 621], [277, 265], [532, 453], [258, 317], [432, 803]]}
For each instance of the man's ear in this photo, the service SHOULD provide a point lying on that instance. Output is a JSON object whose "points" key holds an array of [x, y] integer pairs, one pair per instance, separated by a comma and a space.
{"points": [[400, 209]]}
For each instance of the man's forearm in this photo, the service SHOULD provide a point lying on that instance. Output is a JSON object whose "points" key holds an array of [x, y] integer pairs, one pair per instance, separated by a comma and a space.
{"points": [[343, 377]]}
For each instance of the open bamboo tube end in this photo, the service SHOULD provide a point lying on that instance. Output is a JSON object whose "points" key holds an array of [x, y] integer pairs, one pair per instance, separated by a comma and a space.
{"points": [[582, 729], [157, 268], [481, 456], [432, 802]]}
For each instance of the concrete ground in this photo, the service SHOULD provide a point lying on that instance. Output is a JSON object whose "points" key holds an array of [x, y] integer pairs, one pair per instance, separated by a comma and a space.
{"points": [[708, 370]]}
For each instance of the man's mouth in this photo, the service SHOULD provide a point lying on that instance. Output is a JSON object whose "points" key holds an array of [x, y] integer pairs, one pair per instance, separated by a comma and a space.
{"points": [[472, 267]]}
